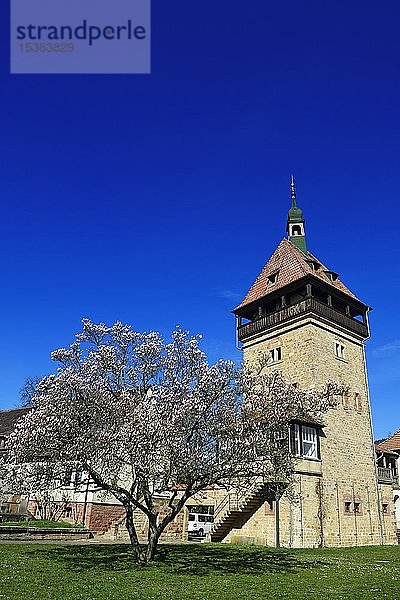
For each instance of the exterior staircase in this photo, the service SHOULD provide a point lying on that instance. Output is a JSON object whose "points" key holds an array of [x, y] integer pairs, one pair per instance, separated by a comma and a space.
{"points": [[236, 508]]}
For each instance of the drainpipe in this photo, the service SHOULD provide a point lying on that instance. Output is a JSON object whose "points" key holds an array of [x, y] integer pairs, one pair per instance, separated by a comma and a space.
{"points": [[237, 334]]}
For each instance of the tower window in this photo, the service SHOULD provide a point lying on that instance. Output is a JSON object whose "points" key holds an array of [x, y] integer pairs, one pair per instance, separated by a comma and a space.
{"points": [[357, 402], [275, 355], [354, 508], [340, 351], [304, 441], [296, 230], [2, 443]]}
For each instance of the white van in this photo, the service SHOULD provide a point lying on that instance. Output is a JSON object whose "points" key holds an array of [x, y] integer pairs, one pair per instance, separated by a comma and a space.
{"points": [[199, 524]]}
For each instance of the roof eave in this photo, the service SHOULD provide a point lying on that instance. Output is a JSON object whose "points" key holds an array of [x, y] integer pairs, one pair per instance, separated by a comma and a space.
{"points": [[238, 311]]}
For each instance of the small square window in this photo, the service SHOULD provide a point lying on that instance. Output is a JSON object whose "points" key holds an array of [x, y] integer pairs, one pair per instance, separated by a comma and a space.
{"points": [[385, 508]]}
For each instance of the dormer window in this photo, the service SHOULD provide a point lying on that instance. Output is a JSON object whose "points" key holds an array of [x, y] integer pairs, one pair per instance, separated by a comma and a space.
{"points": [[272, 279], [314, 265], [331, 275]]}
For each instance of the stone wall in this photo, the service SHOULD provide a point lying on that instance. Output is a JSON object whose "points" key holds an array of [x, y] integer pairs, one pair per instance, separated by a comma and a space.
{"points": [[98, 517]]}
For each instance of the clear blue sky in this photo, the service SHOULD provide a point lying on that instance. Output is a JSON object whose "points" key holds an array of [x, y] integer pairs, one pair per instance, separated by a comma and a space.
{"points": [[157, 199]]}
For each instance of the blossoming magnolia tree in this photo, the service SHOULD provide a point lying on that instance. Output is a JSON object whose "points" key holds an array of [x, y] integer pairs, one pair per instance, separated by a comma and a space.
{"points": [[144, 418]]}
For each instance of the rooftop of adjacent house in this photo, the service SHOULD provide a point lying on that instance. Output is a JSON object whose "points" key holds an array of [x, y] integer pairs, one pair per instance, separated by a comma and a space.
{"points": [[8, 418], [391, 444], [287, 265]]}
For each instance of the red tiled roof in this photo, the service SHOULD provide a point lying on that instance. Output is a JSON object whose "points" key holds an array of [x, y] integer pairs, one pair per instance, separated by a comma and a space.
{"points": [[290, 264], [8, 418], [392, 443]]}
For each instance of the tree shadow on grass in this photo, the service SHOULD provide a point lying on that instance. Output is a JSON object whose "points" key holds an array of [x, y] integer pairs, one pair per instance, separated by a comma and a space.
{"points": [[202, 559]]}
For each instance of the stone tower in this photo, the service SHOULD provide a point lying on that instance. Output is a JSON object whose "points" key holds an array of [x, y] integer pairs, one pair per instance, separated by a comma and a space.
{"points": [[313, 328]]}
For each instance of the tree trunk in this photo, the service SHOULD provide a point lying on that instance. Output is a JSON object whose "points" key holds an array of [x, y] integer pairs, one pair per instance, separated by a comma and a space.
{"points": [[153, 536], [138, 553], [146, 554], [152, 545]]}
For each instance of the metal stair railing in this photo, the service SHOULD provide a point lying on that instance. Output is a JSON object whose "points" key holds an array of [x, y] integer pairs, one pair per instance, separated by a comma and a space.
{"points": [[235, 501]]}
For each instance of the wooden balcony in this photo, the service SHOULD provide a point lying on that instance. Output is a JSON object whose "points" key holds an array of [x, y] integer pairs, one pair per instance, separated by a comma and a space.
{"points": [[386, 475], [306, 306]]}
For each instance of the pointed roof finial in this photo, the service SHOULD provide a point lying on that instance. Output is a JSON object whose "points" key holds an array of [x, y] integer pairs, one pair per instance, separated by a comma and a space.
{"points": [[295, 222], [293, 191]]}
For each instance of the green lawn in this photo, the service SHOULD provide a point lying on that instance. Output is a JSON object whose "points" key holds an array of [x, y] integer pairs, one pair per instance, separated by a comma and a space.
{"points": [[197, 572], [41, 523]]}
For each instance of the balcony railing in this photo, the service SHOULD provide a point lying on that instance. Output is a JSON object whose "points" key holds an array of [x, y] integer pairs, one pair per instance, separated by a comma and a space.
{"points": [[308, 305], [386, 475]]}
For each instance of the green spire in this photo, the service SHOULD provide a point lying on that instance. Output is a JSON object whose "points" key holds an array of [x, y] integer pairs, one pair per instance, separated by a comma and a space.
{"points": [[295, 222]]}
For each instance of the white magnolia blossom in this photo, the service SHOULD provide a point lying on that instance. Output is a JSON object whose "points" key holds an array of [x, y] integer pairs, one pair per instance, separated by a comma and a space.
{"points": [[143, 417]]}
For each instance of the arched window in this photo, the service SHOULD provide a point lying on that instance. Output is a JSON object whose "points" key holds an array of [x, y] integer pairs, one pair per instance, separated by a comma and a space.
{"points": [[296, 230]]}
